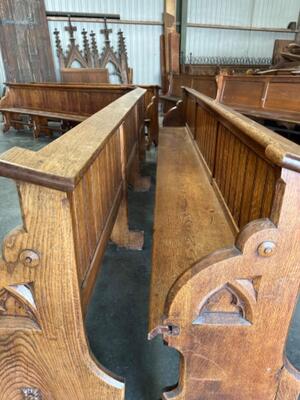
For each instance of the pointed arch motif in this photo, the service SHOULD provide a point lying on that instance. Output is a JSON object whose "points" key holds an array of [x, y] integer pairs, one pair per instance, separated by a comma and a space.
{"points": [[225, 306], [89, 57]]}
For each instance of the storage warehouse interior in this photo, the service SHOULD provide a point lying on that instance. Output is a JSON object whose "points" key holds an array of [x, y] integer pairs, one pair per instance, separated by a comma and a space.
{"points": [[149, 200]]}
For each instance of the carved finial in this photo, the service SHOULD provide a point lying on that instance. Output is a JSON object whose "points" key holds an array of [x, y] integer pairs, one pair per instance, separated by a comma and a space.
{"points": [[31, 394], [95, 52], [58, 41], [86, 47], [122, 44], [106, 33], [94, 43], [71, 29]]}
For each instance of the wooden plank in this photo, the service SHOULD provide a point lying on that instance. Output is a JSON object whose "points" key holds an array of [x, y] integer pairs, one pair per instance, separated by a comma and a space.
{"points": [[25, 42], [187, 228]]}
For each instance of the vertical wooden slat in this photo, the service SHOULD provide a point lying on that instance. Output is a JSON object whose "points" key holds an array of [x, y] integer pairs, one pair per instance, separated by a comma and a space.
{"points": [[269, 191], [228, 168], [259, 189], [219, 155], [248, 188], [240, 182], [234, 174]]}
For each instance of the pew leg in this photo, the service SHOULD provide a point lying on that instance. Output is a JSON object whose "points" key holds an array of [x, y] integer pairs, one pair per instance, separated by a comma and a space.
{"points": [[135, 179], [7, 121], [121, 235], [36, 126], [12, 120]]}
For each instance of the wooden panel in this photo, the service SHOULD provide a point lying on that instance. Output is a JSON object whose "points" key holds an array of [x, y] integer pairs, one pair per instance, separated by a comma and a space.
{"points": [[241, 175], [206, 136], [244, 178], [84, 75], [191, 113], [265, 96], [204, 84], [283, 96], [25, 41], [243, 93]]}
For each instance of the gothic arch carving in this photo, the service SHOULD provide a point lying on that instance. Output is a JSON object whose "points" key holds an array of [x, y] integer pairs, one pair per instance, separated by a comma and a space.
{"points": [[89, 56]]}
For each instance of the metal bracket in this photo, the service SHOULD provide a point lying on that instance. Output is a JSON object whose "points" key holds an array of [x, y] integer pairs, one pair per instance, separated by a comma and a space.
{"points": [[168, 330]]}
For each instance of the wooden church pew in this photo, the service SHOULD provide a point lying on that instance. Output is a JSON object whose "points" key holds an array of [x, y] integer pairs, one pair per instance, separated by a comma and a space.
{"points": [[73, 198], [205, 84], [226, 253], [69, 103], [262, 96]]}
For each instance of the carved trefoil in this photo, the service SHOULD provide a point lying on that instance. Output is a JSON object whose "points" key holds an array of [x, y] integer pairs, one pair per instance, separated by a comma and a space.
{"points": [[224, 307], [17, 302]]}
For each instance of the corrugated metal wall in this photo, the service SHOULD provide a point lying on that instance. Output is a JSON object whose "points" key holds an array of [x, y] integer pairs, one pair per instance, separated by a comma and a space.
{"points": [[238, 43], [142, 40]]}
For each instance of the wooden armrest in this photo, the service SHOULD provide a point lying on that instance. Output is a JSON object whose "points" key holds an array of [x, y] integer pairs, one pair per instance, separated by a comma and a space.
{"points": [[169, 98]]}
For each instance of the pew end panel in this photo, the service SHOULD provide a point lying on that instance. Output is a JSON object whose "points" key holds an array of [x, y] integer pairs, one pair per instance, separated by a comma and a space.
{"points": [[73, 197], [226, 275]]}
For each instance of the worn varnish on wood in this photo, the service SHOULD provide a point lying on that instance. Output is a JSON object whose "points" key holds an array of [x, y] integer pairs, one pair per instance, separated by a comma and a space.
{"points": [[73, 198], [262, 96], [206, 84], [226, 254], [71, 103]]}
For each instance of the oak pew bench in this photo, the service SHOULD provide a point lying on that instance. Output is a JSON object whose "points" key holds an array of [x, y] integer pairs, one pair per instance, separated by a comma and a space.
{"points": [[206, 84], [226, 253], [73, 199], [265, 97], [34, 104]]}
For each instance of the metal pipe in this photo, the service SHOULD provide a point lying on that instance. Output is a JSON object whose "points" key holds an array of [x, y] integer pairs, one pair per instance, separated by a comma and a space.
{"points": [[109, 21], [241, 28], [73, 14]]}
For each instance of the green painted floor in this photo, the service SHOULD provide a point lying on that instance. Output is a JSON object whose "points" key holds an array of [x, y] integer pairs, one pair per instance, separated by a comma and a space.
{"points": [[117, 317]]}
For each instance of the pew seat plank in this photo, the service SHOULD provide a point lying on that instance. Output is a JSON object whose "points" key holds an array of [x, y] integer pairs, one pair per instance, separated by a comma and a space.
{"points": [[290, 117], [189, 220], [46, 114]]}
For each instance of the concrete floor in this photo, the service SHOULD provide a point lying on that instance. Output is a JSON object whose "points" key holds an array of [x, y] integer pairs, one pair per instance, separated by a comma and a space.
{"points": [[117, 317]]}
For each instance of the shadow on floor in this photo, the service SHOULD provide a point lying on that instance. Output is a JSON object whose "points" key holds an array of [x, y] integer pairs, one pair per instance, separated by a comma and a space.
{"points": [[116, 322]]}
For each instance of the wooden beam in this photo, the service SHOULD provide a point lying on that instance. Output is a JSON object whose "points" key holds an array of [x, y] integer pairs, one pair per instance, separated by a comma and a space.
{"points": [[183, 26], [25, 42]]}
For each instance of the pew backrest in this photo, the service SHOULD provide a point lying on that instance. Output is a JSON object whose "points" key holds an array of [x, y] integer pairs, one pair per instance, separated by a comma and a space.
{"points": [[274, 96], [80, 100], [240, 155]]}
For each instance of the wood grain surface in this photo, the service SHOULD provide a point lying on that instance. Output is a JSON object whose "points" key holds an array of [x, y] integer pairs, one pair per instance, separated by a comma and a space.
{"points": [[225, 284], [73, 198]]}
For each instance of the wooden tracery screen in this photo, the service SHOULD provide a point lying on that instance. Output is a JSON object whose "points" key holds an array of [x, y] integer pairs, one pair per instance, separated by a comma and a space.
{"points": [[90, 60]]}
